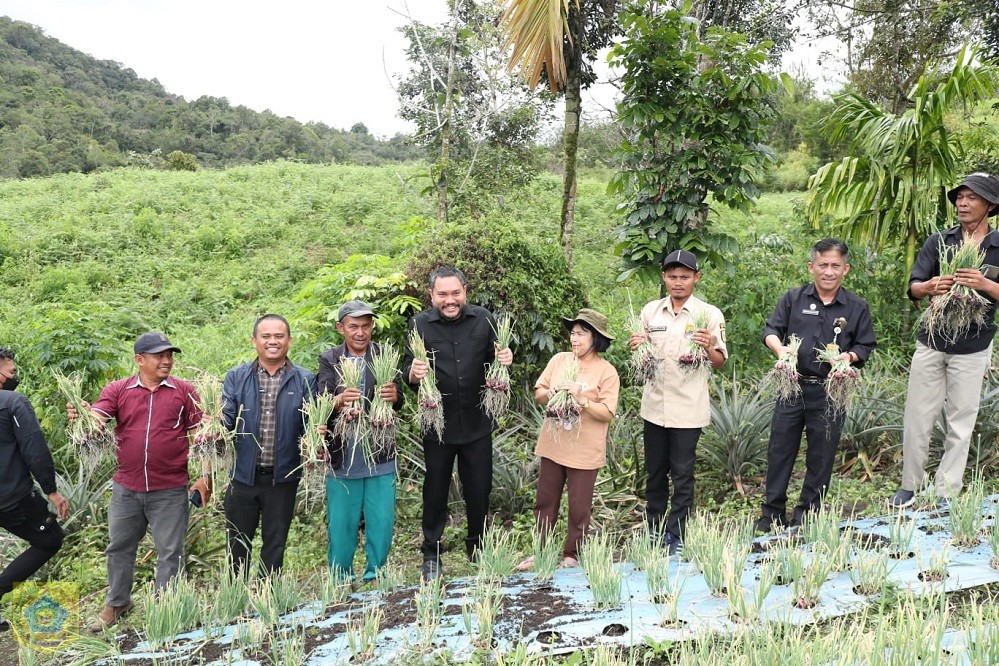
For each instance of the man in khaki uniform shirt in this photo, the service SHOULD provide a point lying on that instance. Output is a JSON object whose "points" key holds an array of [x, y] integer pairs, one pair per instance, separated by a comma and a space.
{"points": [[676, 408]]}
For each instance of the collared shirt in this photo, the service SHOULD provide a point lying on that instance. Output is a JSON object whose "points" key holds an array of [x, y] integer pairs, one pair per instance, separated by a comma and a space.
{"points": [[928, 266], [460, 350], [151, 431], [269, 387], [679, 400], [801, 312]]}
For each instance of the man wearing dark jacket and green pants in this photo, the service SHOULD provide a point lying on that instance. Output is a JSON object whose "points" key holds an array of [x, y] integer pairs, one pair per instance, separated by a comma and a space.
{"points": [[357, 485], [262, 404]]}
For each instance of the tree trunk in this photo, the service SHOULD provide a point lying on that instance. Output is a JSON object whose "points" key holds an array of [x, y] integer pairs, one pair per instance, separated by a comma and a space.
{"points": [[445, 163], [573, 109]]}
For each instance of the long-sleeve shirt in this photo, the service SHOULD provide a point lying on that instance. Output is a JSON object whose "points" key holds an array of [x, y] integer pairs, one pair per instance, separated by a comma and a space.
{"points": [[801, 312], [460, 350], [927, 266], [23, 451], [151, 431]]}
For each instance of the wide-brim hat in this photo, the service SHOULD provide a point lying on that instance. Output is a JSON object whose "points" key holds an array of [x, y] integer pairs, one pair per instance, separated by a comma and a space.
{"points": [[984, 185], [596, 320]]}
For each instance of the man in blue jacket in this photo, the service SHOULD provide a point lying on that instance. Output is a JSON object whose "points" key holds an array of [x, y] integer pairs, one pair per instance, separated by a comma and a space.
{"points": [[262, 405]]}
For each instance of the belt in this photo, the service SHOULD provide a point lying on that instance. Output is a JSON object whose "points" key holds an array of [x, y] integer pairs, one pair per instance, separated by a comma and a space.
{"points": [[265, 469], [808, 379]]}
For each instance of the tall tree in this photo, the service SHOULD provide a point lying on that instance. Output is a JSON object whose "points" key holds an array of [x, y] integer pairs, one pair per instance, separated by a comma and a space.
{"points": [[889, 43], [557, 40], [477, 124], [890, 190], [695, 110]]}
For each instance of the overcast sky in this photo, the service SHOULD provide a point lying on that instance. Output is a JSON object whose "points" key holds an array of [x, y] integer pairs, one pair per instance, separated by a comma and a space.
{"points": [[314, 60]]}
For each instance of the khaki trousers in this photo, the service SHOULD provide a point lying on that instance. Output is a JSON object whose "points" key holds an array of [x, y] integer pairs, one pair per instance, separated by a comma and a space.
{"points": [[952, 382]]}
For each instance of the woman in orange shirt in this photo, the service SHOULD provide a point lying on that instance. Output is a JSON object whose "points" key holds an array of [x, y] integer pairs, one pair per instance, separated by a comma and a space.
{"points": [[572, 458]]}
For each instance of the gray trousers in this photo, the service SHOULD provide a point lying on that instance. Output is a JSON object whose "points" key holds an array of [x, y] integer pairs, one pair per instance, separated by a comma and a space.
{"points": [[952, 382], [164, 512]]}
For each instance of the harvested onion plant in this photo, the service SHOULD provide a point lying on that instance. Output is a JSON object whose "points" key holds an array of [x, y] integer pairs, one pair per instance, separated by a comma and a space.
{"points": [[430, 405], [842, 381], [645, 364], [951, 315], [213, 442], [596, 556], [92, 441], [783, 377], [496, 394], [317, 410], [349, 423], [381, 416], [562, 411], [695, 357]]}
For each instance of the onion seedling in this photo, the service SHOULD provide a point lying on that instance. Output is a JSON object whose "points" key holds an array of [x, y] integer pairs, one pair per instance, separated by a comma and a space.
{"points": [[951, 315], [562, 411], [841, 382], [646, 366], [87, 433]]}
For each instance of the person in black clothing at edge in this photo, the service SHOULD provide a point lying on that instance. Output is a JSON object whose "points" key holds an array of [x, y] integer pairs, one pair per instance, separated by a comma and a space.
{"points": [[820, 313], [461, 342], [24, 454]]}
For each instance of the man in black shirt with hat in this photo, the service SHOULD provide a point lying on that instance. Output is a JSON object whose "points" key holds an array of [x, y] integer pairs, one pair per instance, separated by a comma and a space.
{"points": [[947, 373]]}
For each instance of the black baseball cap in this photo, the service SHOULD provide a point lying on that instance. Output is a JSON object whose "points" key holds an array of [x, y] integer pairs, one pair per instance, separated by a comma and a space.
{"points": [[681, 258], [354, 309], [983, 184], [153, 342]]}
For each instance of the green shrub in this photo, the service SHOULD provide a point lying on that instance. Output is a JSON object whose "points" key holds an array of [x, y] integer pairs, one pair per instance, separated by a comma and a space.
{"points": [[508, 272]]}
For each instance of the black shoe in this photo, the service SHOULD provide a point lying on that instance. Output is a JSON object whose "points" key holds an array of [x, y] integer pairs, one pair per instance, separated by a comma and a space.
{"points": [[901, 499], [765, 525], [674, 546], [4, 625], [430, 571]]}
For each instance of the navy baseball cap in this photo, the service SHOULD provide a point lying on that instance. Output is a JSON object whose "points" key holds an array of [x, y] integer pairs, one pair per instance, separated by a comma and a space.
{"points": [[681, 258], [153, 342]]}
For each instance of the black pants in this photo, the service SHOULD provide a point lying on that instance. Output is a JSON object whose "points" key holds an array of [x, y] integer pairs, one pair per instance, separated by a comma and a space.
{"points": [[475, 470], [31, 520], [669, 454], [806, 413], [267, 504]]}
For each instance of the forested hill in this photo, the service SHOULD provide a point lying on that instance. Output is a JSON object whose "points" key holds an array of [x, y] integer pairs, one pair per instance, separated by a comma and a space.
{"points": [[64, 111]]}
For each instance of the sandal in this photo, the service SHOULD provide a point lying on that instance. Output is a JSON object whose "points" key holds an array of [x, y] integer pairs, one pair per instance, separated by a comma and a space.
{"points": [[526, 564]]}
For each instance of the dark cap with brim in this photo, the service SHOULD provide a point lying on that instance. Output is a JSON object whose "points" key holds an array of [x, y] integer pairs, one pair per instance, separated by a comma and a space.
{"points": [[591, 317], [681, 258], [354, 309], [984, 185], [153, 342]]}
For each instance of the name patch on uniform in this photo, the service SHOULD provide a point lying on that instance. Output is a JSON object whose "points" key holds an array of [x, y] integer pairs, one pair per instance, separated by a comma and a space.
{"points": [[658, 329], [810, 312]]}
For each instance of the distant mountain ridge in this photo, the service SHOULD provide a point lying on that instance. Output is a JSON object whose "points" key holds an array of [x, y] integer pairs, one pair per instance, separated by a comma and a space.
{"points": [[64, 111]]}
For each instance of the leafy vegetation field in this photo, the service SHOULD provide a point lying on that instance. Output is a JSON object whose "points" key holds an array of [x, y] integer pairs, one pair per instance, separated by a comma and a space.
{"points": [[89, 262]]}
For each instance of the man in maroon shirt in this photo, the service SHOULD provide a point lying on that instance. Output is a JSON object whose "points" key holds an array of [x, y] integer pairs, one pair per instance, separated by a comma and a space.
{"points": [[153, 414]]}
